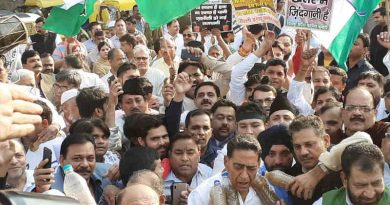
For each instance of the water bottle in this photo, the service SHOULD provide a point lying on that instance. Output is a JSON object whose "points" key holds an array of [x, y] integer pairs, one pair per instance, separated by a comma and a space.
{"points": [[76, 187], [217, 194]]}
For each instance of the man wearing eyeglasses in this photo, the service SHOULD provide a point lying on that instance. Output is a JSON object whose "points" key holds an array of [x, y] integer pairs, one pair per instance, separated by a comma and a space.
{"points": [[359, 114]]}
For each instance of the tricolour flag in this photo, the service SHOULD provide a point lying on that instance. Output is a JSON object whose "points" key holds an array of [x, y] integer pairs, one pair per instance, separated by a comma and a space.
{"points": [[68, 18], [160, 12], [348, 18]]}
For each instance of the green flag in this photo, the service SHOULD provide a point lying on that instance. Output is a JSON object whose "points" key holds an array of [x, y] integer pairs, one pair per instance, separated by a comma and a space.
{"points": [[160, 12], [68, 18]]}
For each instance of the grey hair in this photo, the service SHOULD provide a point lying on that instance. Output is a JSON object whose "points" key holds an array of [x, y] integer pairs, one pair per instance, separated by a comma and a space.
{"points": [[21, 73], [138, 178], [139, 48], [70, 76]]}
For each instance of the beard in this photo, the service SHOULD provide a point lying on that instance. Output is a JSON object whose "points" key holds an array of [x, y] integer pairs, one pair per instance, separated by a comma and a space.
{"points": [[361, 200]]}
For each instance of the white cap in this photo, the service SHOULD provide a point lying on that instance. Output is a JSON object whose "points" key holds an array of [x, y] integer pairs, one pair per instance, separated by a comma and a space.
{"points": [[69, 94]]}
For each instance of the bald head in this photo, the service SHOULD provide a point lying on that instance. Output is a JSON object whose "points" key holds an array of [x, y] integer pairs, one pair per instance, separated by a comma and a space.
{"points": [[138, 194]]}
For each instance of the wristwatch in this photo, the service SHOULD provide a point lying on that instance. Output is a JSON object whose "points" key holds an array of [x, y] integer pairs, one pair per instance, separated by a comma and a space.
{"points": [[323, 167]]}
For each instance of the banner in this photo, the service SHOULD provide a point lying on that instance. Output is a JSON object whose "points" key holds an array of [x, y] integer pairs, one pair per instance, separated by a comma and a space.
{"points": [[212, 16], [309, 14], [250, 12]]}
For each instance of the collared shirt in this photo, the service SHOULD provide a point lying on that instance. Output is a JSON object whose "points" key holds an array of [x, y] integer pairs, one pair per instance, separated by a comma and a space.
{"points": [[140, 25], [213, 150], [201, 175], [156, 77], [347, 201], [354, 72], [201, 195], [161, 65]]}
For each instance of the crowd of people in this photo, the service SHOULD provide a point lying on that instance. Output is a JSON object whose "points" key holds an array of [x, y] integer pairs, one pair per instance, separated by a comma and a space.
{"points": [[139, 112]]}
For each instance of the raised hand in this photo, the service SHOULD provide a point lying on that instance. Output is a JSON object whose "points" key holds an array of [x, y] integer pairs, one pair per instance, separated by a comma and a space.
{"points": [[182, 84], [43, 178], [384, 39], [7, 152]]}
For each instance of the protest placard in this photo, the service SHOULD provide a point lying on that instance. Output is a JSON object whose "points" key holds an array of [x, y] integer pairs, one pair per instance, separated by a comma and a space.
{"points": [[310, 14], [248, 12], [209, 16]]}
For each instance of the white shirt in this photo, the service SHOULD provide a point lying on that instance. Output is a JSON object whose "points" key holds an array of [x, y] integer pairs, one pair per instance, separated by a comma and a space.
{"points": [[201, 195], [381, 110], [34, 158], [178, 40], [156, 77], [115, 41], [386, 61], [295, 96], [201, 175], [161, 65], [30, 182], [91, 80]]}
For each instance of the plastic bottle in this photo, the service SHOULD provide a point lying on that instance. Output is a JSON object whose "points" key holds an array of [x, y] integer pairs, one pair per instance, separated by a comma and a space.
{"points": [[217, 194], [76, 187]]}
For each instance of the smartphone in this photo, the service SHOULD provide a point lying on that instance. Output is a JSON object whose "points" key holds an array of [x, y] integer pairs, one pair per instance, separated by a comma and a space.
{"points": [[47, 155], [185, 55], [176, 189]]}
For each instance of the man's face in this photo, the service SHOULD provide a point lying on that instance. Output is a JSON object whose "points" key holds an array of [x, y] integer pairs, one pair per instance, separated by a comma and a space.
{"points": [[249, 90], [101, 141], [60, 88], [250, 127], [157, 139], [365, 188], [215, 53], [134, 103], [205, 97], [118, 59], [337, 82], [126, 47], [281, 117], [196, 76], [120, 28], [168, 49], [308, 147], [200, 128], [38, 28], [265, 99], [332, 120], [99, 39], [129, 74], [276, 73], [378, 19], [136, 13], [358, 50], [276, 53], [131, 28], [322, 100], [223, 123], [286, 44], [242, 168], [82, 158], [174, 28], [320, 79], [34, 64], [95, 28], [18, 163], [359, 112], [372, 86], [48, 65], [278, 158], [184, 158], [141, 60], [188, 36]]}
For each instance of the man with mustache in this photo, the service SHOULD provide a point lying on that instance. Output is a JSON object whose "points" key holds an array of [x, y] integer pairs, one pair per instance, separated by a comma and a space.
{"points": [[310, 141], [277, 154], [79, 151], [359, 114], [362, 176], [184, 157], [206, 95]]}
